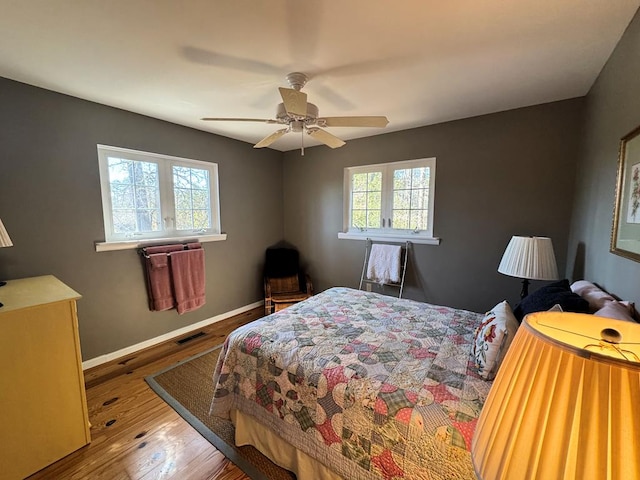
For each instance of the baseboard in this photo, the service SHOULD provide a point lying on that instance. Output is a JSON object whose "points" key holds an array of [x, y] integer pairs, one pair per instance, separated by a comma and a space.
{"points": [[124, 352]]}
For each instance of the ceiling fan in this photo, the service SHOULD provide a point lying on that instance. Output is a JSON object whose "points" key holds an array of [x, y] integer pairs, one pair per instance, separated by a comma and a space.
{"points": [[302, 117]]}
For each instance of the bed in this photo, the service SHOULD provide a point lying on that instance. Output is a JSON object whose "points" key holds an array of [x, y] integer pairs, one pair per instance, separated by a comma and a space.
{"points": [[356, 385]]}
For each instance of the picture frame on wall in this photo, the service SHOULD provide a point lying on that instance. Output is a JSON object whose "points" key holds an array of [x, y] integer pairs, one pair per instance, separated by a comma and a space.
{"points": [[625, 234]]}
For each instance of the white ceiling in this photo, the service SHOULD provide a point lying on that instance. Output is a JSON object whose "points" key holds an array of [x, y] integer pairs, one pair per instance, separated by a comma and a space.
{"points": [[418, 62]]}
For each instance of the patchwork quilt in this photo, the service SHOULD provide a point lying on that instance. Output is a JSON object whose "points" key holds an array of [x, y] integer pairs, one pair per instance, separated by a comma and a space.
{"points": [[374, 387]]}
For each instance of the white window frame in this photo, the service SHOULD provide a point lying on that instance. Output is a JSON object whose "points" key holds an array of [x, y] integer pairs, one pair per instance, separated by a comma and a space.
{"points": [[387, 233], [118, 241]]}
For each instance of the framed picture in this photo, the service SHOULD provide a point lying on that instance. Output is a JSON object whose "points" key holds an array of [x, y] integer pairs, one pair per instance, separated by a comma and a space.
{"points": [[625, 235]]}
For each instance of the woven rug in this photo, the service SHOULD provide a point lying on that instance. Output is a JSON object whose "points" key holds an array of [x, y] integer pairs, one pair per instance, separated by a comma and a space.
{"points": [[188, 388]]}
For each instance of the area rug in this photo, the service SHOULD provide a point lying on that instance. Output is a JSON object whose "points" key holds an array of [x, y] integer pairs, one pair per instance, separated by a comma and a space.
{"points": [[188, 388]]}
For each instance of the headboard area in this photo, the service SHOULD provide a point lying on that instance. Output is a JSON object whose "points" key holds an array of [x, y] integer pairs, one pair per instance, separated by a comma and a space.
{"points": [[581, 296]]}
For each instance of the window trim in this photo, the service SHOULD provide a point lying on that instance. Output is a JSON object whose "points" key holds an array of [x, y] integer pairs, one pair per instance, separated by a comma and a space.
{"points": [[165, 165], [386, 234]]}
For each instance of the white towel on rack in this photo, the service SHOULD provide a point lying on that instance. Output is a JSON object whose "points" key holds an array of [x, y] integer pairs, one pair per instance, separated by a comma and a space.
{"points": [[384, 263]]}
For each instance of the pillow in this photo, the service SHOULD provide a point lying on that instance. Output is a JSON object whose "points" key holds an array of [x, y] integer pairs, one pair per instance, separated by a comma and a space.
{"points": [[546, 297], [616, 310], [593, 294], [492, 339]]}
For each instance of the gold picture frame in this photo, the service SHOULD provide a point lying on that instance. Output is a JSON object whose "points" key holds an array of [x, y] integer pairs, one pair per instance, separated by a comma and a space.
{"points": [[625, 234]]}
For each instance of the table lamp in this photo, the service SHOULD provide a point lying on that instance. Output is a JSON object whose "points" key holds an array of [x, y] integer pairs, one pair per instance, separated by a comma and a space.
{"points": [[529, 258], [564, 404]]}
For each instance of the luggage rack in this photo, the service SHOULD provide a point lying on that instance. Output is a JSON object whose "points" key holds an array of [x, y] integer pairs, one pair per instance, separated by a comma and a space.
{"points": [[368, 282]]}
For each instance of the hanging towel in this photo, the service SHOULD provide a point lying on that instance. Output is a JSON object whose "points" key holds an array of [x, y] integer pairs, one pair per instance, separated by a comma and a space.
{"points": [[159, 282], [384, 263], [187, 272]]}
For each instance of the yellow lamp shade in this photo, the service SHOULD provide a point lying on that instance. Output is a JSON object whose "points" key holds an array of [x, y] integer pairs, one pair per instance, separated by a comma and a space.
{"points": [[565, 403]]}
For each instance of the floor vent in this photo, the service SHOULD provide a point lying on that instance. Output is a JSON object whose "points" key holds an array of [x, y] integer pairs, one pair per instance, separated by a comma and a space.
{"points": [[184, 340]]}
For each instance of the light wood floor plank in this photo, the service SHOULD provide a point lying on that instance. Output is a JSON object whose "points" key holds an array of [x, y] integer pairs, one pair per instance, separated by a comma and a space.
{"points": [[135, 435]]}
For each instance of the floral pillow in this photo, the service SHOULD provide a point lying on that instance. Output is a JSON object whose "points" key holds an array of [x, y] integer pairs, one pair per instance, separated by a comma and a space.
{"points": [[492, 339]]}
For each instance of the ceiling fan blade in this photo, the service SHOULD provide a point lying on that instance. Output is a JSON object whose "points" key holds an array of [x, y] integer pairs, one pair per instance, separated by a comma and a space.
{"points": [[373, 121], [263, 120], [325, 137], [295, 101], [265, 142]]}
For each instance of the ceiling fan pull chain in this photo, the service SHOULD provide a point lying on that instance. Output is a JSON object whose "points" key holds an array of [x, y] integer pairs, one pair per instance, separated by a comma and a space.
{"points": [[302, 144]]}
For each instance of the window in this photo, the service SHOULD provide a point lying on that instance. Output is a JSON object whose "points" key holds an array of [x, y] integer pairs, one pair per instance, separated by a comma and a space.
{"points": [[390, 200], [149, 196]]}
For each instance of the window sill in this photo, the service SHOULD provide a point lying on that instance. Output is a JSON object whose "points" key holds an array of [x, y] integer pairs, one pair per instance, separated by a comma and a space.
{"points": [[390, 238], [127, 245]]}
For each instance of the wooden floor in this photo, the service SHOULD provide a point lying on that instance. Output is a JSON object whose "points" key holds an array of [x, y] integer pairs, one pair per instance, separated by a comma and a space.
{"points": [[136, 435]]}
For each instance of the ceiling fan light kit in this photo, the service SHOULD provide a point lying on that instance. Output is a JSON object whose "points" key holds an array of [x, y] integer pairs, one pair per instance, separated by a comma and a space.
{"points": [[302, 117]]}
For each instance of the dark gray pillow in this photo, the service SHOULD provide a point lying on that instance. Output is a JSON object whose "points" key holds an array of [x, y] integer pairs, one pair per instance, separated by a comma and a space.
{"points": [[546, 297]]}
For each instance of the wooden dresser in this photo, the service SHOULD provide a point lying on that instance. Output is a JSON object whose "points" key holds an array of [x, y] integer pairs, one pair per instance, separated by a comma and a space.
{"points": [[43, 407]]}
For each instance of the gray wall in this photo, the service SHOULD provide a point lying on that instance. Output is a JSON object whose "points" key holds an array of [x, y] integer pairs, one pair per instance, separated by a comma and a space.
{"points": [[612, 110], [50, 203], [510, 173]]}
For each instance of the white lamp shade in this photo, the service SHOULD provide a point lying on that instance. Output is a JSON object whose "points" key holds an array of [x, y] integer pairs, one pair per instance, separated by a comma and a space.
{"points": [[529, 257], [5, 241], [564, 404]]}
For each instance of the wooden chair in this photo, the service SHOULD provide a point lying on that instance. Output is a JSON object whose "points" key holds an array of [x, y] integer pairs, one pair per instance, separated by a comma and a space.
{"points": [[285, 283]]}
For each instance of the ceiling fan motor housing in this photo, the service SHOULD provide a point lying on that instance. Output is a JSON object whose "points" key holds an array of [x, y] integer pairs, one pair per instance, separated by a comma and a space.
{"points": [[312, 114]]}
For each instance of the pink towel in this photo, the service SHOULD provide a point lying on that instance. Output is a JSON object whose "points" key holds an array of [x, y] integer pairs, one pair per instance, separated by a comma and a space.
{"points": [[187, 272], [159, 282], [163, 249]]}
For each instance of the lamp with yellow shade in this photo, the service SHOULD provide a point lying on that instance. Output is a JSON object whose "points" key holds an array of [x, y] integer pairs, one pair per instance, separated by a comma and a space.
{"points": [[565, 403]]}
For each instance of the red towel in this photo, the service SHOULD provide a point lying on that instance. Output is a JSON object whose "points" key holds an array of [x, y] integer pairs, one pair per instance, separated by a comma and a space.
{"points": [[187, 272], [159, 282]]}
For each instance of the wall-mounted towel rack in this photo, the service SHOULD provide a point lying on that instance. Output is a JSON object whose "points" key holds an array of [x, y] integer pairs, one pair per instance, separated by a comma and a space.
{"points": [[168, 248]]}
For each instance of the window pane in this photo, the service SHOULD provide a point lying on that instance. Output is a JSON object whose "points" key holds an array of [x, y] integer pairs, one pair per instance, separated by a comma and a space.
{"points": [[183, 199], [359, 200], [374, 201], [401, 219], [200, 200], [122, 196], [201, 219], [191, 192], [135, 195], [402, 179], [420, 198], [375, 181], [147, 220], [181, 177], [124, 221], [401, 199], [360, 182], [418, 220], [184, 220], [359, 218], [146, 197], [120, 170], [420, 177], [373, 219], [366, 200], [411, 198], [145, 173]]}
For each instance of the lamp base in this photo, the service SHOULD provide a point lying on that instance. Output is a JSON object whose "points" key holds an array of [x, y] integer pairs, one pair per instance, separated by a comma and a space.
{"points": [[525, 288]]}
